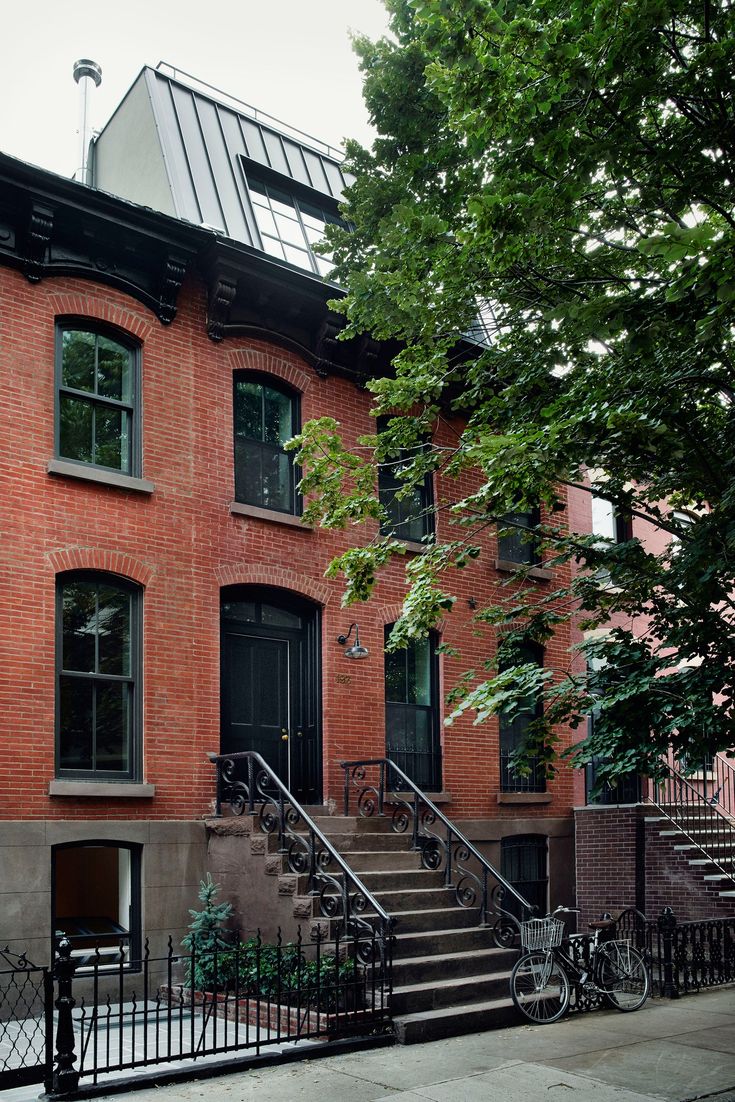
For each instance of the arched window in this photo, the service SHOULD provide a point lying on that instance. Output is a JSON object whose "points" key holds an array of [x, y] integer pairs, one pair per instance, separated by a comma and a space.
{"points": [[266, 415], [98, 677], [98, 406]]}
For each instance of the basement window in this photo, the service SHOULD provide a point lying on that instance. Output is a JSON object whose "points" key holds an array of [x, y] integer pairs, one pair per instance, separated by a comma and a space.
{"points": [[96, 902]]}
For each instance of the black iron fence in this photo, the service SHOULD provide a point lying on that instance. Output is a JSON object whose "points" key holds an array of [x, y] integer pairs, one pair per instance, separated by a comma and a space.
{"points": [[690, 956], [26, 1023], [125, 1016]]}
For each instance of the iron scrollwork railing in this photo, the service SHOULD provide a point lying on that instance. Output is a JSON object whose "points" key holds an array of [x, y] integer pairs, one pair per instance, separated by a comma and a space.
{"points": [[441, 845], [701, 821], [341, 896]]}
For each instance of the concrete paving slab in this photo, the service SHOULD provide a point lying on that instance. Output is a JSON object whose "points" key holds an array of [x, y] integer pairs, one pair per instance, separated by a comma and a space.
{"points": [[420, 1065], [528, 1083], [719, 1039], [661, 1068]]}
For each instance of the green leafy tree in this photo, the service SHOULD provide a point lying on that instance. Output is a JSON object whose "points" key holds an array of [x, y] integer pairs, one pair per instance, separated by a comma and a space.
{"points": [[565, 170]]}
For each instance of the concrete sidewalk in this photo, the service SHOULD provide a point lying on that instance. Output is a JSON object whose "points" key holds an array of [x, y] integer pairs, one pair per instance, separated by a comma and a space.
{"points": [[675, 1051]]}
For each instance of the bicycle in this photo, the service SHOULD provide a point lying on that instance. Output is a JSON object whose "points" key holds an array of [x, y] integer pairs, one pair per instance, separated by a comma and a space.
{"points": [[540, 981]]}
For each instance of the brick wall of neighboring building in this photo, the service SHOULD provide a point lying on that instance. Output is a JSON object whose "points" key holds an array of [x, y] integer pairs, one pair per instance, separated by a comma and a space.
{"points": [[623, 860], [182, 544]]}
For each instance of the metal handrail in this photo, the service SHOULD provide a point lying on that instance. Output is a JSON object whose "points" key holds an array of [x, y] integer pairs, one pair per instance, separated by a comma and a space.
{"points": [[313, 858], [680, 802], [451, 851]]}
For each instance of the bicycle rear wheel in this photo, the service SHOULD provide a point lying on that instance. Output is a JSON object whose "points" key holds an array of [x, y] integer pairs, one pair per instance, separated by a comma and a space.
{"points": [[622, 975], [540, 988]]}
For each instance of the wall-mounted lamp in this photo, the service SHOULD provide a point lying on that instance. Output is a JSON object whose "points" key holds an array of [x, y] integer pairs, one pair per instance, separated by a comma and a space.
{"points": [[356, 650]]}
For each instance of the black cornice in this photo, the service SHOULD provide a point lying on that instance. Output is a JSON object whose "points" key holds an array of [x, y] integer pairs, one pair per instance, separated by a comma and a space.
{"points": [[52, 226]]}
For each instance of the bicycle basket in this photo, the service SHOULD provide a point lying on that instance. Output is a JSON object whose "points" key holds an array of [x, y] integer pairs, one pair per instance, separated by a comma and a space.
{"points": [[542, 933]]}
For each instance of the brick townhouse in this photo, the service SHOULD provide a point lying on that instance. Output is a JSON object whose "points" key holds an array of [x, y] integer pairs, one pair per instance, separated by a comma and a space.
{"points": [[164, 329]]}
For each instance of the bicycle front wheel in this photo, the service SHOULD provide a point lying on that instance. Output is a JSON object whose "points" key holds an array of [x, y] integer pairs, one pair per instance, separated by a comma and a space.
{"points": [[622, 975], [539, 987]]}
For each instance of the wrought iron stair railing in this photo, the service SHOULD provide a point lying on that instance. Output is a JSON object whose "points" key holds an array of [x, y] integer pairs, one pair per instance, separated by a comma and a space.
{"points": [[341, 896], [697, 817], [440, 843]]}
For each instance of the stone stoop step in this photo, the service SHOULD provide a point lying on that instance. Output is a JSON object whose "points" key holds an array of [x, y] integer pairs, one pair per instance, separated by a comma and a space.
{"points": [[449, 977]]}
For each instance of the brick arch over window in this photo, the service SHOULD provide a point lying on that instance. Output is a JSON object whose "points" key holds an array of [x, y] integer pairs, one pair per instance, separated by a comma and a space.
{"points": [[270, 363], [98, 309], [388, 614], [277, 576], [101, 561]]}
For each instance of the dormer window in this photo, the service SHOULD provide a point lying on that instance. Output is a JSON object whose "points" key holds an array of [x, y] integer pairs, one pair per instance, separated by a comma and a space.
{"points": [[291, 229]]}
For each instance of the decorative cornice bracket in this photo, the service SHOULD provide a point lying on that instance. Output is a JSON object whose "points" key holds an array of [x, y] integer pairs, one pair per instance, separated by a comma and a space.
{"points": [[172, 277], [326, 347], [222, 291], [38, 238]]}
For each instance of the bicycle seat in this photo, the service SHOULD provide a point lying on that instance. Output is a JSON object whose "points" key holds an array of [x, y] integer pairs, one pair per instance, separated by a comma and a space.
{"points": [[601, 924]]}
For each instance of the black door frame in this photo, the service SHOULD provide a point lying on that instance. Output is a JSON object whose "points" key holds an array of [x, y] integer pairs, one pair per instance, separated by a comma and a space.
{"points": [[305, 696]]}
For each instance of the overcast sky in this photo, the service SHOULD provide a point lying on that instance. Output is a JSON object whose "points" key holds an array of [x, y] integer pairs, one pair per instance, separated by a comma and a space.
{"points": [[290, 58]]}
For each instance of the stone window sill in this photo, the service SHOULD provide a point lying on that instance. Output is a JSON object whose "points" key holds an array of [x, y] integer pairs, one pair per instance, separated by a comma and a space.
{"points": [[540, 573], [117, 481], [435, 797], [237, 508], [524, 797], [102, 790]]}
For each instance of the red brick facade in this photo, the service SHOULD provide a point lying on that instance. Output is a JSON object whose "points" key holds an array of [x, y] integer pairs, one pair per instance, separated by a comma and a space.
{"points": [[181, 544]]}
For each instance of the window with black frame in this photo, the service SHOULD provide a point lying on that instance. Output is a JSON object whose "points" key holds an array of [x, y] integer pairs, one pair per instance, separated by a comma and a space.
{"points": [[626, 789], [409, 513], [97, 399], [266, 416], [412, 711], [514, 731], [524, 864], [98, 657], [516, 544]]}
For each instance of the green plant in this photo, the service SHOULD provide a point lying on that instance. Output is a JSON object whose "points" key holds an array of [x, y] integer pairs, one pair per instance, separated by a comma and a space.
{"points": [[207, 940]]}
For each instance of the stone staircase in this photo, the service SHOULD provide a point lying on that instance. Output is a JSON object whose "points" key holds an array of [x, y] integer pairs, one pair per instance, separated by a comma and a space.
{"points": [[449, 977], [702, 836]]}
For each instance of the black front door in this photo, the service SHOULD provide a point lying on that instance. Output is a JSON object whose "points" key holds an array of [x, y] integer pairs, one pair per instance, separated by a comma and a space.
{"points": [[270, 684]]}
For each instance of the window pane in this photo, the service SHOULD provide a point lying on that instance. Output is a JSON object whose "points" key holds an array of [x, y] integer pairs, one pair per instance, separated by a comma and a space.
{"points": [[112, 717], [277, 416], [279, 617], [300, 257], [248, 409], [289, 230], [111, 438], [79, 626], [114, 370], [397, 739], [418, 663], [276, 488], [114, 631], [281, 202], [77, 360], [266, 221], [248, 474], [518, 546], [75, 723], [273, 247], [395, 676], [239, 610], [75, 429]]}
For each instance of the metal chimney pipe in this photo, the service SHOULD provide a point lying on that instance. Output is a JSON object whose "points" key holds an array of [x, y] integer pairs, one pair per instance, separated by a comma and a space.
{"points": [[86, 73]]}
